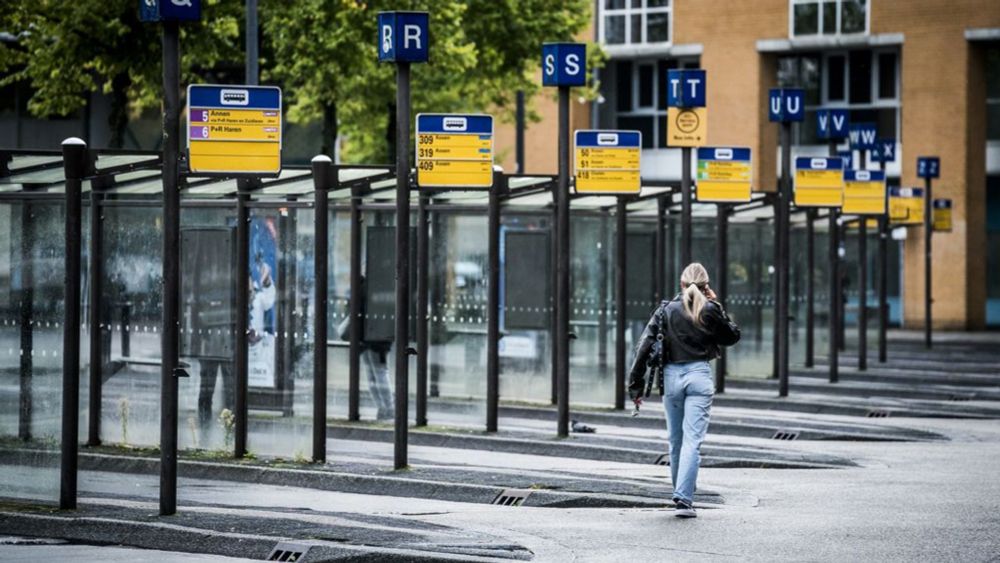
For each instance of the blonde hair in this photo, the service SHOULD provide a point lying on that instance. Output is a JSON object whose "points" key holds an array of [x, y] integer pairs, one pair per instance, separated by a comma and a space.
{"points": [[694, 279]]}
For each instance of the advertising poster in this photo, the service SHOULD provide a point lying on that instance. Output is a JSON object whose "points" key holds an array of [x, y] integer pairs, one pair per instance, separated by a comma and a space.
{"points": [[263, 296]]}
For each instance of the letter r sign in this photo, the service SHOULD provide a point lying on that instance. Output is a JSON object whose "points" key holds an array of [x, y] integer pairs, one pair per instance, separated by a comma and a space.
{"points": [[564, 64], [403, 37]]}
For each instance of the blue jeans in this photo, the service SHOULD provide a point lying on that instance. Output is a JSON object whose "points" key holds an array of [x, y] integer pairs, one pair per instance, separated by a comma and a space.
{"points": [[687, 401]]}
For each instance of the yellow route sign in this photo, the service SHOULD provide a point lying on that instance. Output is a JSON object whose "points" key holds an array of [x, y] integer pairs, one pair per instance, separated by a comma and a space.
{"points": [[454, 151], [607, 162], [819, 182], [906, 206], [864, 192], [942, 215], [687, 127], [234, 129], [724, 174]]}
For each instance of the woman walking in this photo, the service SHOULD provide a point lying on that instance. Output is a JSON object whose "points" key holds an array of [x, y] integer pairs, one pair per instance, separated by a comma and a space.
{"points": [[692, 327]]}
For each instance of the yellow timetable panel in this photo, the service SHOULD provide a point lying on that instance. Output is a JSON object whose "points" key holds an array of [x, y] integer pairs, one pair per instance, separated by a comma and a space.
{"points": [[607, 162], [724, 174], [234, 129], [819, 182], [454, 151]]}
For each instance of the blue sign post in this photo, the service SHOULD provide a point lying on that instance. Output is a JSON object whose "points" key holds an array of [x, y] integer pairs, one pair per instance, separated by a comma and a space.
{"points": [[404, 38], [784, 106], [171, 13], [928, 168], [863, 136], [152, 11], [564, 65], [686, 88], [832, 124]]}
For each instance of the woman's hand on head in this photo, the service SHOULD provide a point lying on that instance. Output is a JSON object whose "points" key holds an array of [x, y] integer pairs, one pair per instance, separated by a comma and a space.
{"points": [[710, 293]]}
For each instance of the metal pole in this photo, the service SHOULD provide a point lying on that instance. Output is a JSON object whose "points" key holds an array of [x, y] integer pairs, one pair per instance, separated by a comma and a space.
{"points": [[554, 281], [660, 246], [883, 281], [686, 230], [810, 286], [324, 177], [96, 298], [26, 314], [841, 298], [784, 197], [562, 268], [834, 266], [519, 120], [862, 294], [721, 283], [493, 335], [75, 164], [928, 230], [252, 58], [423, 279], [242, 363], [402, 262], [171, 269], [863, 282], [621, 255], [355, 324]]}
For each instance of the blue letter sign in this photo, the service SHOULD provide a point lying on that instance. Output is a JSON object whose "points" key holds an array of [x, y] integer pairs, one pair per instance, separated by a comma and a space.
{"points": [[786, 104], [686, 88], [862, 136], [403, 37], [928, 166], [885, 150], [169, 10], [831, 123], [564, 64]]}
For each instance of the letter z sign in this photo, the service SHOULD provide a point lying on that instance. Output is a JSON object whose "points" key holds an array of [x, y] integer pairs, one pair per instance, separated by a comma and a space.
{"points": [[564, 64], [403, 37]]}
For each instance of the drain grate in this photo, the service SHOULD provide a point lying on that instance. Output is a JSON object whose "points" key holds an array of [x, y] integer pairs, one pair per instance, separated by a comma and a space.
{"points": [[287, 551], [961, 398], [511, 497], [877, 413], [663, 459], [785, 435]]}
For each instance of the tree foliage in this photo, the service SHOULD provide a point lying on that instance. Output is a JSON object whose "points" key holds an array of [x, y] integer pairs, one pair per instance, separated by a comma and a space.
{"points": [[321, 52], [66, 50]]}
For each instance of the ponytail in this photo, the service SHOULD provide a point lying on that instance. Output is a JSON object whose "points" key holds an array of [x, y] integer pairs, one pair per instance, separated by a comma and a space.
{"points": [[693, 280]]}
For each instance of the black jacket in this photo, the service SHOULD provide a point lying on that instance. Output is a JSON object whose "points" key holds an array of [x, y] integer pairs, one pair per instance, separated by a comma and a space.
{"points": [[684, 340]]}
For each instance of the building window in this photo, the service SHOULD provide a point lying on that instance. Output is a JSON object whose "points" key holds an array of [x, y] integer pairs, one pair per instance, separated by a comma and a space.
{"points": [[828, 17], [625, 22], [993, 94], [863, 81], [640, 99]]}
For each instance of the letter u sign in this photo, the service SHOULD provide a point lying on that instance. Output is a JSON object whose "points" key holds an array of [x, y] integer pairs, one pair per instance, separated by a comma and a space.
{"points": [[786, 104]]}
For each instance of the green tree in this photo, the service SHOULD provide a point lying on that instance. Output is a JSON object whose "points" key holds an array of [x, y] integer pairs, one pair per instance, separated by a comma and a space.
{"points": [[482, 53], [66, 50]]}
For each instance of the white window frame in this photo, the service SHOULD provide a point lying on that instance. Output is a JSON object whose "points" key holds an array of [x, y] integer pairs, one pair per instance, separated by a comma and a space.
{"points": [[627, 12], [659, 115], [819, 20], [876, 102]]}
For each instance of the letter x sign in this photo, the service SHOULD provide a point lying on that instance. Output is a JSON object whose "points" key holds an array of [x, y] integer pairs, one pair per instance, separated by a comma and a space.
{"points": [[786, 104], [564, 64], [686, 88], [403, 37]]}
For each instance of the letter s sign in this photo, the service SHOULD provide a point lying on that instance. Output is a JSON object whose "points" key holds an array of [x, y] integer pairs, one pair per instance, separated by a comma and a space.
{"points": [[564, 64]]}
